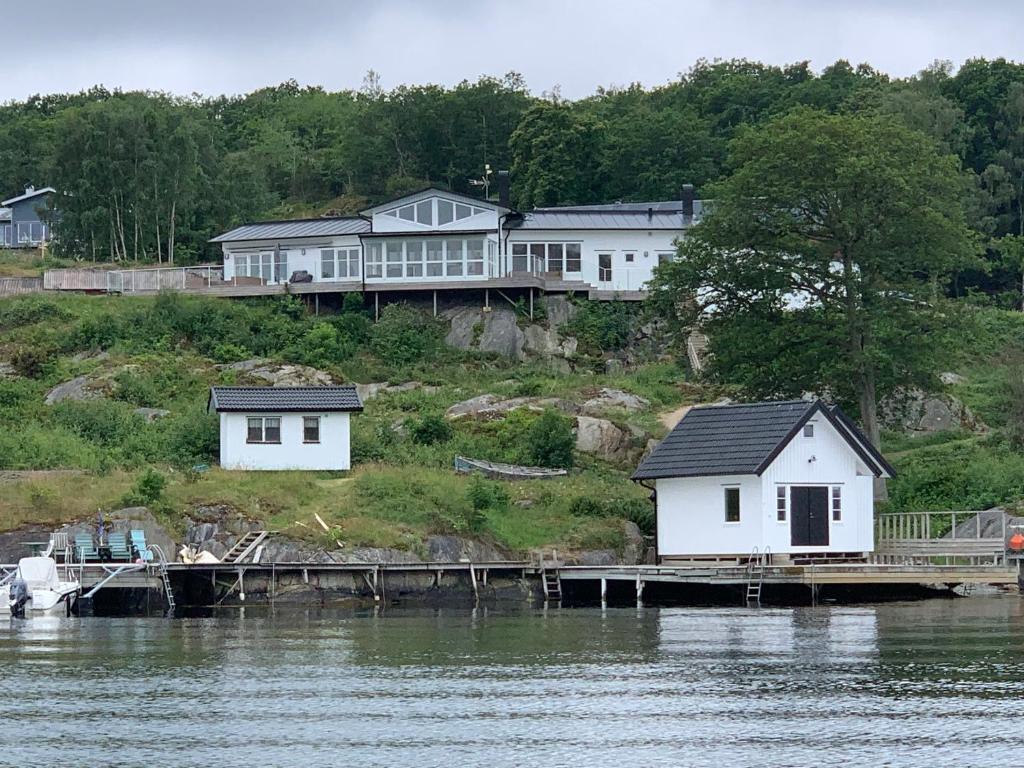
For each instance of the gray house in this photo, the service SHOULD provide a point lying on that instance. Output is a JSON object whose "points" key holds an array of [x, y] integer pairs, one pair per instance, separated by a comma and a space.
{"points": [[23, 223]]}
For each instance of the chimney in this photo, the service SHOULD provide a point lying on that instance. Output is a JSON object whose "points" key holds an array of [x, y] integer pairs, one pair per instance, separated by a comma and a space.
{"points": [[503, 190], [686, 195]]}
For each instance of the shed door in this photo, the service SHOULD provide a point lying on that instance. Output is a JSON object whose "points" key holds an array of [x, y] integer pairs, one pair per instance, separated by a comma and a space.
{"points": [[808, 516]]}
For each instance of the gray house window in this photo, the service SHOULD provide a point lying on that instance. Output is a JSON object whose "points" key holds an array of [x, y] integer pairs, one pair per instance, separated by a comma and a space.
{"points": [[732, 505], [263, 429], [311, 429]]}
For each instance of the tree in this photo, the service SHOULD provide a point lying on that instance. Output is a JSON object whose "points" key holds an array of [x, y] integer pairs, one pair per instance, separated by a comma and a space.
{"points": [[550, 441], [819, 265]]}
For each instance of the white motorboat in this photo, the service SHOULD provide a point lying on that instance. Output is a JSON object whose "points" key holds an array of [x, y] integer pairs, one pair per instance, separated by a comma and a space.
{"points": [[37, 588]]}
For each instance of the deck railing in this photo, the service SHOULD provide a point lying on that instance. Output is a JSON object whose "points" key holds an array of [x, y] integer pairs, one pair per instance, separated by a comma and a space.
{"points": [[931, 537]]}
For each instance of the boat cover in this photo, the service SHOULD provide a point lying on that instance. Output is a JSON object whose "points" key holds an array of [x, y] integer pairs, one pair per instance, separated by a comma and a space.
{"points": [[39, 572]]}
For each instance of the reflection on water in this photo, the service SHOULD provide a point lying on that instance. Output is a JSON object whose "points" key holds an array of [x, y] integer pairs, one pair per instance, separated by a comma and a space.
{"points": [[930, 684]]}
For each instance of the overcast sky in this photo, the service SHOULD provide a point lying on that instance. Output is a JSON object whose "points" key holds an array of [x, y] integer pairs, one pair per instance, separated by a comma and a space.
{"points": [[232, 46]]}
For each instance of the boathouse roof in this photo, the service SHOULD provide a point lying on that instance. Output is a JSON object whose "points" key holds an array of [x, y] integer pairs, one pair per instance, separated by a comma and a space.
{"points": [[280, 399], [745, 438]]}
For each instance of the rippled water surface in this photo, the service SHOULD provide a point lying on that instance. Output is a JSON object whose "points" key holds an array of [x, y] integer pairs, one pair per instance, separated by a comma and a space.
{"points": [[910, 684]]}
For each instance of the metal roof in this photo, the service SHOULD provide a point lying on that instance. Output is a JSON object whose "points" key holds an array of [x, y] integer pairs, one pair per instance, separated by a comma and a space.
{"points": [[431, 191], [275, 399], [744, 440], [279, 230], [29, 194], [665, 214]]}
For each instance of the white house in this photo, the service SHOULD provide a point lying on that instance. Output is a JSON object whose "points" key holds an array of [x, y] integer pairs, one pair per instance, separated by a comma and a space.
{"points": [[439, 240], [793, 478], [285, 427]]}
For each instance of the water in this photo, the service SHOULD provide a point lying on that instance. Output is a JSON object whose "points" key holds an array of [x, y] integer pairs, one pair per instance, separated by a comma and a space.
{"points": [[910, 684]]}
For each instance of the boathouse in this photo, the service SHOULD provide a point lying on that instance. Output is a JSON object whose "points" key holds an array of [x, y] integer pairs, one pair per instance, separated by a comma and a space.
{"points": [[285, 427], [792, 478]]}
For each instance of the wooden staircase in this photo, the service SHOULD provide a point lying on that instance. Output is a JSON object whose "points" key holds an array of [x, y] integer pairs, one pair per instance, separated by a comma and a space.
{"points": [[244, 547]]}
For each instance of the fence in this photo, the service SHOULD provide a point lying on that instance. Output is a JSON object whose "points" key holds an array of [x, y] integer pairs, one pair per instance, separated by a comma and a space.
{"points": [[930, 537]]}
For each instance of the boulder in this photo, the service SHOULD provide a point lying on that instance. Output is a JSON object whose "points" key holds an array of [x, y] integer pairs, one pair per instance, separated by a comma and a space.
{"points": [[597, 557], [916, 412], [452, 549], [465, 322], [370, 391], [7, 370], [79, 388], [601, 438], [559, 311], [487, 407], [634, 547], [614, 398], [950, 379], [502, 334], [280, 374], [151, 414]]}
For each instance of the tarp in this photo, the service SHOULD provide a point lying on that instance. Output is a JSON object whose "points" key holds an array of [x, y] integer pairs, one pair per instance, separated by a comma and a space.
{"points": [[39, 572]]}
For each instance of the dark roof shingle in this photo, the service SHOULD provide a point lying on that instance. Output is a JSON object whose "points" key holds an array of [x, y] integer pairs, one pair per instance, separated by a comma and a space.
{"points": [[742, 440], [336, 398]]}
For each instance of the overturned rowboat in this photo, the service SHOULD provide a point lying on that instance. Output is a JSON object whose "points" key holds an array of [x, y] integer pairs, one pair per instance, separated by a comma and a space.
{"points": [[498, 471]]}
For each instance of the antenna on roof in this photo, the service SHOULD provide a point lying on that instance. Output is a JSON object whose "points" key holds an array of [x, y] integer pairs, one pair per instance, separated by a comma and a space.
{"points": [[484, 181]]}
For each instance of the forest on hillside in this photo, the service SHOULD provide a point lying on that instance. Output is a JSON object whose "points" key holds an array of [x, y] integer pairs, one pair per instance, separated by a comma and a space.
{"points": [[151, 176]]}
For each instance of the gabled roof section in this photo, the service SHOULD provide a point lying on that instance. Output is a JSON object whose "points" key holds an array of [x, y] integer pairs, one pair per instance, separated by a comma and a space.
{"points": [[28, 195], [663, 214], [432, 191], [284, 399], [744, 439], [280, 230]]}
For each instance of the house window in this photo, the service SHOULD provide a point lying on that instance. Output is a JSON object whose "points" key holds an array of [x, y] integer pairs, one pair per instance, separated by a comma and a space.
{"points": [[424, 212], [353, 263], [666, 258], [837, 503], [327, 264], [394, 259], [537, 251], [445, 212], [435, 258], [281, 266], [475, 257], [556, 262], [241, 263], [414, 258], [407, 213], [732, 505], [375, 261], [462, 211], [808, 430], [573, 262], [630, 257], [311, 429], [267, 265], [263, 429], [454, 254], [604, 267], [780, 503]]}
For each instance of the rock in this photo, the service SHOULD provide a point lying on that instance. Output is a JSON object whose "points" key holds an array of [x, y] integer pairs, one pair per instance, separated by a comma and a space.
{"points": [[559, 311], [602, 438], [651, 445], [279, 374], [502, 334], [614, 398], [81, 357], [486, 407], [151, 414], [76, 389], [200, 533], [466, 324], [370, 391], [598, 557], [634, 548], [612, 366], [949, 378], [244, 365], [452, 549], [916, 412], [373, 555], [471, 407], [7, 370]]}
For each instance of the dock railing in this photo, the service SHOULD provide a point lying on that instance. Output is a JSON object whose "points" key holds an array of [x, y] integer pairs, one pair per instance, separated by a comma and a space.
{"points": [[936, 537]]}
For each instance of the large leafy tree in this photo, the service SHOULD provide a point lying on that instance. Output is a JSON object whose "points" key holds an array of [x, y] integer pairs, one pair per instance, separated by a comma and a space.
{"points": [[820, 263]]}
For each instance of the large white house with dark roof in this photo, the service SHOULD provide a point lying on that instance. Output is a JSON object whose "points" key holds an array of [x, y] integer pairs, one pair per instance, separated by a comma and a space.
{"points": [[436, 240], [285, 427], [789, 478]]}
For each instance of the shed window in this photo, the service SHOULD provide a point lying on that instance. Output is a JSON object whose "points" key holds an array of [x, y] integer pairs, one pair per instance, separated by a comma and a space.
{"points": [[808, 430], [265, 429], [837, 503], [780, 503], [732, 505], [311, 429]]}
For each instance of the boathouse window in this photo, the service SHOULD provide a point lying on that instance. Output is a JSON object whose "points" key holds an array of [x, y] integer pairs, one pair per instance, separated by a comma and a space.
{"points": [[780, 503], [732, 505], [311, 429], [808, 430], [837, 503], [263, 429]]}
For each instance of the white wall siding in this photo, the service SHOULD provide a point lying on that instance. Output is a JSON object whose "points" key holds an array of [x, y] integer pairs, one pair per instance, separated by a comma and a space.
{"points": [[691, 516], [332, 452]]}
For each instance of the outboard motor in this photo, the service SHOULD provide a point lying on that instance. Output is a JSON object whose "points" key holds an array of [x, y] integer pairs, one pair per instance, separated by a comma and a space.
{"points": [[19, 596]]}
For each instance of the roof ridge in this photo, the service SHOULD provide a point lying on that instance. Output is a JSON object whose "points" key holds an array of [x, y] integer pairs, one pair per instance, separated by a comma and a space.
{"points": [[761, 403]]}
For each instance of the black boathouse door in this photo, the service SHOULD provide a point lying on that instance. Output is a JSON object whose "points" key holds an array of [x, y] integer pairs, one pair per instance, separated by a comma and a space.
{"points": [[809, 516]]}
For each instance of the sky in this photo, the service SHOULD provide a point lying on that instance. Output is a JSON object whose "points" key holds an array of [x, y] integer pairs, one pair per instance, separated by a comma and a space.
{"points": [[218, 47]]}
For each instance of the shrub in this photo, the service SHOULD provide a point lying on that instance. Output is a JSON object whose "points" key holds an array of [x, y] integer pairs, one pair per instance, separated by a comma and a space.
{"points": [[486, 494], [137, 389], [321, 346], [102, 422], [588, 506], [148, 489], [550, 441], [32, 362], [404, 335], [29, 310], [430, 430], [192, 438], [229, 353], [602, 326]]}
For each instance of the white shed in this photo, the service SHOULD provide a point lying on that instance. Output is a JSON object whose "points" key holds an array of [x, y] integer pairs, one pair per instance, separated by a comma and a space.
{"points": [[285, 427], [792, 478]]}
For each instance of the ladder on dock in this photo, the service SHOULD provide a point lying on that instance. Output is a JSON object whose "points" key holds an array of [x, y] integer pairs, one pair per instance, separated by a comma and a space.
{"points": [[755, 575], [552, 585], [244, 547], [164, 577]]}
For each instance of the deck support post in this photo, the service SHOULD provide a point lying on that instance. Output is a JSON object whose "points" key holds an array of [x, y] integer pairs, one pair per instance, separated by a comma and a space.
{"points": [[435, 302], [487, 298], [376, 307], [604, 590], [531, 303], [639, 589], [316, 301], [241, 584]]}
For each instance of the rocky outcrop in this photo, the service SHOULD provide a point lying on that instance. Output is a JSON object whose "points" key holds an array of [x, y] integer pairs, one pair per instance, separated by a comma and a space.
{"points": [[280, 374], [447, 549], [615, 399], [78, 388], [495, 330], [151, 414], [370, 391], [915, 412], [488, 407], [603, 439]]}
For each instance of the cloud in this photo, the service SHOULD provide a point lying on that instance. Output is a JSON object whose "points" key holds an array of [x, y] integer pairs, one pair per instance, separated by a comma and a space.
{"points": [[227, 46]]}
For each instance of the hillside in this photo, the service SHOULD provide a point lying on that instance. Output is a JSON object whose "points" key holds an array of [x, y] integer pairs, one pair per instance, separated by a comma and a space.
{"points": [[596, 365]]}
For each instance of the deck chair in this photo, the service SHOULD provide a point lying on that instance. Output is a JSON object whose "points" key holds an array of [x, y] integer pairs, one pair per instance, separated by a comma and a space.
{"points": [[138, 541], [118, 547], [58, 544], [86, 547]]}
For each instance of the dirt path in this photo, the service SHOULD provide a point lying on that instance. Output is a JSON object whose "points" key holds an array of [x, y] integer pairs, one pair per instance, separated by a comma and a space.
{"points": [[671, 418]]}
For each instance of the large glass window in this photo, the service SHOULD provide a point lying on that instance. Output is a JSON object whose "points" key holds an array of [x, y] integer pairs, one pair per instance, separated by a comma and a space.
{"points": [[462, 211], [281, 266], [537, 251], [375, 260], [408, 213], [519, 258], [604, 267], [241, 264], [445, 212], [353, 262], [435, 257], [475, 257], [453, 250], [424, 212], [556, 261], [267, 265], [394, 259], [414, 258], [327, 264], [573, 261]]}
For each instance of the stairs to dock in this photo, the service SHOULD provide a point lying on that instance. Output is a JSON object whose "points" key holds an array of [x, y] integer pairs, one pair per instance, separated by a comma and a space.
{"points": [[244, 547]]}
